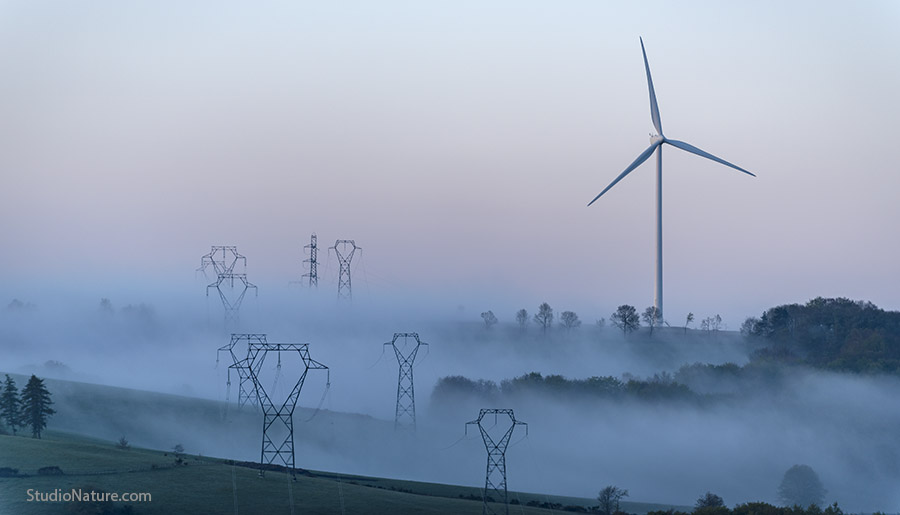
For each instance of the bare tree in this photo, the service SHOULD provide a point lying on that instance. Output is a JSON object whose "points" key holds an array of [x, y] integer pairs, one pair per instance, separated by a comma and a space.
{"points": [[651, 318], [522, 318], [489, 319], [626, 318], [609, 499], [544, 316], [569, 320]]}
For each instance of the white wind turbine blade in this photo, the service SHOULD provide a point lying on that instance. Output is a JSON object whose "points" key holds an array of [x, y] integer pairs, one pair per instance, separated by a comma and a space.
{"points": [[637, 162], [694, 150], [654, 107]]}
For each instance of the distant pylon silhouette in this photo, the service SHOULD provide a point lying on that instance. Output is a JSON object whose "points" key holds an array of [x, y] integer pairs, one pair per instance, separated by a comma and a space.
{"points": [[313, 272], [345, 290], [224, 266]]}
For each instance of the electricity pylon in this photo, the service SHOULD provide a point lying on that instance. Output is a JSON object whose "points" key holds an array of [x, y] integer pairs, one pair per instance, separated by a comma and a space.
{"points": [[241, 366], [405, 414], [273, 447], [495, 479], [345, 290], [225, 274], [313, 272]]}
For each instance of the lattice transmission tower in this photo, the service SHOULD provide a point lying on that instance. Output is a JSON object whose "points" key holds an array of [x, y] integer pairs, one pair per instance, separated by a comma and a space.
{"points": [[496, 444], [224, 259], [313, 263], [278, 418], [405, 413], [240, 363], [344, 257]]}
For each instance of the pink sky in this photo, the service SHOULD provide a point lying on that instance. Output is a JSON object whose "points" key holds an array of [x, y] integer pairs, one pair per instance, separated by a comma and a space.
{"points": [[458, 145]]}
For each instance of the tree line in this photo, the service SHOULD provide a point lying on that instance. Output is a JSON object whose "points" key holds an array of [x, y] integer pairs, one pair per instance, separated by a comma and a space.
{"points": [[626, 318], [660, 387], [543, 318], [800, 492], [701, 384], [30, 409], [800, 486]]}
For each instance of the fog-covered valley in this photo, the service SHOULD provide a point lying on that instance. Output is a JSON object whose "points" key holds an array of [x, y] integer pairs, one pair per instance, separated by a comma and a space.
{"points": [[732, 430]]}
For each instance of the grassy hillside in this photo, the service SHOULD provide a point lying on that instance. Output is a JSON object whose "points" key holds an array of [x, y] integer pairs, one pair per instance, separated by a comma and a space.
{"points": [[210, 485], [91, 417]]}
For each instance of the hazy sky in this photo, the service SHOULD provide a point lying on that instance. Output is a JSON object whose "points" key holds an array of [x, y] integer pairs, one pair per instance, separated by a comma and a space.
{"points": [[458, 143]]}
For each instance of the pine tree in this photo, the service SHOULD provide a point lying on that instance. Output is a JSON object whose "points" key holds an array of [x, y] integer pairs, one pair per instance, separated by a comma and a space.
{"points": [[36, 406], [11, 405]]}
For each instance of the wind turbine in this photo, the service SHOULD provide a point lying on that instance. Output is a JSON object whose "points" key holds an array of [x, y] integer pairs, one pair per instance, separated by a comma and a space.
{"points": [[656, 142]]}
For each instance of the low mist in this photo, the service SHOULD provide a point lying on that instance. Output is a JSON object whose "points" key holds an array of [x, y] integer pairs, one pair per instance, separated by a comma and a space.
{"points": [[736, 440]]}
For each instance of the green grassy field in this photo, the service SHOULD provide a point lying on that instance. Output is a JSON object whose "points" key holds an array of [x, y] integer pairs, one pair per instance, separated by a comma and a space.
{"points": [[209, 485]]}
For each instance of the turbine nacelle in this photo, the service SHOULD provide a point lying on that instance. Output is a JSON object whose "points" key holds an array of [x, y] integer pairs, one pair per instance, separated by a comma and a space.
{"points": [[656, 140]]}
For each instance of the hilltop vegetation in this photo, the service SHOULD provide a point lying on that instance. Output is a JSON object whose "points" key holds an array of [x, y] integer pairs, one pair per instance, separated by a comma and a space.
{"points": [[837, 334], [830, 333], [833, 334], [759, 508]]}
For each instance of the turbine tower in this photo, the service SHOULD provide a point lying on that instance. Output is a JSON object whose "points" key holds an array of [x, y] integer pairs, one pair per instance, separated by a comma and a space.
{"points": [[656, 142]]}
